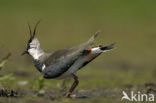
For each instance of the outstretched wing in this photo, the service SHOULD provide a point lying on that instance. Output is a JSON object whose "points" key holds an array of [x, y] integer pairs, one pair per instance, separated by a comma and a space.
{"points": [[73, 52]]}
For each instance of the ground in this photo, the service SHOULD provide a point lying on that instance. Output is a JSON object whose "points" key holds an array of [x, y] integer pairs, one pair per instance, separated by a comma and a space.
{"points": [[104, 85]]}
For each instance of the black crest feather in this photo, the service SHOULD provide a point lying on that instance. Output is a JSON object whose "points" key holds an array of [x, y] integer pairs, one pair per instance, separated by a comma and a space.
{"points": [[32, 35]]}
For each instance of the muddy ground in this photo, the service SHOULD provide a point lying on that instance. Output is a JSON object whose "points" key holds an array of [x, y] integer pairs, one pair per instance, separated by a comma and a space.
{"points": [[90, 95]]}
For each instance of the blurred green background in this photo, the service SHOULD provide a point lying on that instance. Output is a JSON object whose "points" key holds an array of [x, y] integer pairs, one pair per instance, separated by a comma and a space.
{"points": [[65, 23]]}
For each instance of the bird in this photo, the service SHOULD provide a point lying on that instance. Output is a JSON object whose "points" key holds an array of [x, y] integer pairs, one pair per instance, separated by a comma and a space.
{"points": [[63, 63]]}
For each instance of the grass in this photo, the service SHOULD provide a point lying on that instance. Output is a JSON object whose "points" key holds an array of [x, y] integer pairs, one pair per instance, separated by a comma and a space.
{"points": [[103, 86]]}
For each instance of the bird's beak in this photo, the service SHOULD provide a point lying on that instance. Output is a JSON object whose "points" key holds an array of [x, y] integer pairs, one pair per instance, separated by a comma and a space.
{"points": [[25, 52]]}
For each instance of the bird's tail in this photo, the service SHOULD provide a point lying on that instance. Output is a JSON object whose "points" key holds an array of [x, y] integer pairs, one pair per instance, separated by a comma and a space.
{"points": [[100, 48], [108, 47]]}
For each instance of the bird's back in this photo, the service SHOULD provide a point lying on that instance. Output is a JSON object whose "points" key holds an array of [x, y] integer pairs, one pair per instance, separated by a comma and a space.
{"points": [[61, 60]]}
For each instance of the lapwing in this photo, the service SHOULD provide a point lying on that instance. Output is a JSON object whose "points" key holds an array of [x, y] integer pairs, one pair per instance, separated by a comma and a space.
{"points": [[63, 63]]}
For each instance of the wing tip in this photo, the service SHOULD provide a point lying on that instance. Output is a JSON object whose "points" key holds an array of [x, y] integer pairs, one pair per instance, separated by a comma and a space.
{"points": [[96, 34]]}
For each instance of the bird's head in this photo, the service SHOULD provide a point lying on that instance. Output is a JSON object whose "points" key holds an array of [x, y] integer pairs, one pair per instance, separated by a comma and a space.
{"points": [[33, 44]]}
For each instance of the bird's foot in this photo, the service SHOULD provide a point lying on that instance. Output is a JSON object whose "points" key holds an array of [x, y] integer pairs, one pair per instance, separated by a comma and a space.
{"points": [[68, 95]]}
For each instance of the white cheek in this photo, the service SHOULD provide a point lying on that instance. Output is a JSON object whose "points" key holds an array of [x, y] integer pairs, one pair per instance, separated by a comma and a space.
{"points": [[32, 51], [35, 53]]}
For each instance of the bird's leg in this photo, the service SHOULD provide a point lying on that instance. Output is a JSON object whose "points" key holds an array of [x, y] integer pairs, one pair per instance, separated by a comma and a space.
{"points": [[63, 84], [76, 82]]}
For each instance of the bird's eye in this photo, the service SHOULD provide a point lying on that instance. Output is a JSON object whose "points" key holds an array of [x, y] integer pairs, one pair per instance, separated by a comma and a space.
{"points": [[29, 41]]}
